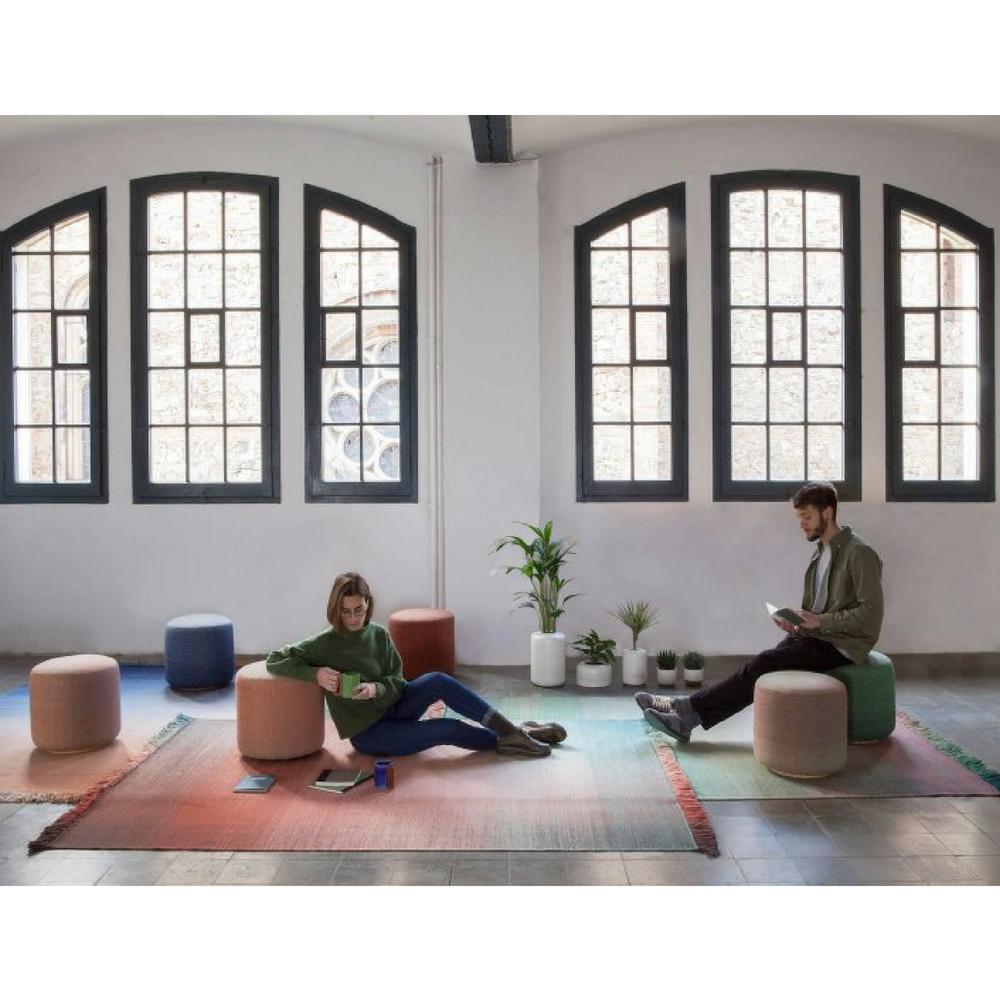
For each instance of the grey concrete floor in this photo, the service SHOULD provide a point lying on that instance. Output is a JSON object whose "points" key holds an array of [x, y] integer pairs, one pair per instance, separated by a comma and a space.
{"points": [[898, 841]]}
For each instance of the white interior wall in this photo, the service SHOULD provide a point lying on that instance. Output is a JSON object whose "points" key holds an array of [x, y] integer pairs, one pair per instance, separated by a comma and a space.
{"points": [[107, 576]]}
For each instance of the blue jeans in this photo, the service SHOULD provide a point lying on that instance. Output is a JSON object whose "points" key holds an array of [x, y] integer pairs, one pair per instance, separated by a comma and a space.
{"points": [[399, 732]]}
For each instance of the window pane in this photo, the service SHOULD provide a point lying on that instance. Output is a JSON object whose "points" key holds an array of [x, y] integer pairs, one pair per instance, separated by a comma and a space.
{"points": [[650, 277], [748, 329], [749, 460], [824, 279], [609, 277], [336, 231], [960, 395], [207, 454], [920, 395], [787, 453], [784, 216], [166, 339], [380, 452], [652, 230], [33, 455], [787, 395], [242, 280], [746, 219], [205, 398], [918, 276], [71, 281], [826, 453], [72, 454], [341, 336], [342, 454], [916, 233], [380, 277], [381, 395], [785, 279], [32, 282], [72, 391], [166, 221], [380, 336], [651, 394], [33, 397], [612, 452], [825, 331], [243, 396], [204, 276], [242, 338], [205, 338], [826, 395], [244, 462], [786, 336], [617, 237], [612, 399], [341, 396], [823, 220], [338, 279], [960, 453], [166, 397], [652, 452], [959, 337], [32, 340], [167, 455], [746, 279], [950, 240], [242, 222], [204, 220], [918, 336], [71, 339], [749, 394], [371, 237], [959, 279], [920, 453], [166, 281], [40, 242], [650, 336], [610, 336]]}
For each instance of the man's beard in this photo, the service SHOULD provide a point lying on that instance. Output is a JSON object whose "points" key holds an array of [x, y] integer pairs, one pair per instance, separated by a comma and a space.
{"points": [[824, 523]]}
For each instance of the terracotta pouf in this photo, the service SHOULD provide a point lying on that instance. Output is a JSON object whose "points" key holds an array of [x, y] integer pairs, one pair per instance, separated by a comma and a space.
{"points": [[800, 723], [75, 703], [425, 639], [277, 718]]}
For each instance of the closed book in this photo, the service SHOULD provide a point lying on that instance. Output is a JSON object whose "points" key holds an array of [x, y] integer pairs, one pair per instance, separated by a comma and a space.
{"points": [[255, 783]]}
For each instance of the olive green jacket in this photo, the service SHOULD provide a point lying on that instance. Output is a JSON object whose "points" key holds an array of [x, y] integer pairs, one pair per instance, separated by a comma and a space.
{"points": [[852, 617]]}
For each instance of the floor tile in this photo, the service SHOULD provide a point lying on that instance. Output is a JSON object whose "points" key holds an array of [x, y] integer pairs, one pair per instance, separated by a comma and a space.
{"points": [[949, 823], [608, 871], [237, 871], [686, 870], [985, 867], [770, 871], [24, 871], [537, 871], [942, 869], [496, 872], [753, 846], [363, 873], [421, 873], [925, 844], [87, 871], [970, 843], [197, 870], [855, 871], [809, 845]]}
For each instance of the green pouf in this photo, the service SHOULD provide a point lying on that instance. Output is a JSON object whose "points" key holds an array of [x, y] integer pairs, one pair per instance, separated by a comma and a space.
{"points": [[871, 698]]}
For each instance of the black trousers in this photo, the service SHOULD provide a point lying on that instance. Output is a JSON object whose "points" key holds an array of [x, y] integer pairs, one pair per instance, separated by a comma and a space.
{"points": [[796, 652]]}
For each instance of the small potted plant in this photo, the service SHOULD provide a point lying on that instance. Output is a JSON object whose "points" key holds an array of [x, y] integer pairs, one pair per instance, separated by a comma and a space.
{"points": [[636, 616], [694, 668], [598, 658], [666, 668]]}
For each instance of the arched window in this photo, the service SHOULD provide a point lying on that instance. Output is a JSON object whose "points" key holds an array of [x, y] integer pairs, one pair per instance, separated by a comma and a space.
{"points": [[939, 351], [52, 357], [631, 351], [204, 338], [361, 352], [787, 314]]}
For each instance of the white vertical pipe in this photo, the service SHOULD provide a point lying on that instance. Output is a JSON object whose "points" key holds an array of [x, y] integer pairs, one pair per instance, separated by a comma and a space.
{"points": [[435, 338]]}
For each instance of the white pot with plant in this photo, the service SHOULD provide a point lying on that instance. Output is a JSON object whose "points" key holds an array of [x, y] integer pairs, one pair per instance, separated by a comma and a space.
{"points": [[694, 668], [543, 559], [594, 671], [666, 668], [636, 616]]}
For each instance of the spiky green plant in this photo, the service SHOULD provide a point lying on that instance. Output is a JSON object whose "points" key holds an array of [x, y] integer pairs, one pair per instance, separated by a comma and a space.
{"points": [[694, 660], [543, 560], [594, 648], [636, 616], [666, 659]]}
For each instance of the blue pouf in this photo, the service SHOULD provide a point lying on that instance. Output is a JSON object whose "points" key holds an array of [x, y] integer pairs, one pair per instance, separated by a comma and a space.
{"points": [[199, 652]]}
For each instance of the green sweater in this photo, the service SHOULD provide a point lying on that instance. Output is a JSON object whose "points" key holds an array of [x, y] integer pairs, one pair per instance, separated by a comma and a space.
{"points": [[368, 652], [852, 617]]}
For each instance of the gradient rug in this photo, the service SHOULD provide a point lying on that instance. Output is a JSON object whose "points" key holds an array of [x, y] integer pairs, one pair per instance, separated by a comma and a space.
{"points": [[28, 774], [603, 790]]}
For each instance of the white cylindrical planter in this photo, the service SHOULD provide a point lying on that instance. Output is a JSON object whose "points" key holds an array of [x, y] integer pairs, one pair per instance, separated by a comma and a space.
{"points": [[694, 677], [548, 658], [635, 666], [593, 675], [666, 678]]}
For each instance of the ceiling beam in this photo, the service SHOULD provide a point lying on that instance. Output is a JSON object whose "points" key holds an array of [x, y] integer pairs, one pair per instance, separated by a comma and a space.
{"points": [[491, 138]]}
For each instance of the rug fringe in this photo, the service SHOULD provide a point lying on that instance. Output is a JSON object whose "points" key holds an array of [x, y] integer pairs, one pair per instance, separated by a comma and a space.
{"points": [[694, 812], [46, 839], [953, 750]]}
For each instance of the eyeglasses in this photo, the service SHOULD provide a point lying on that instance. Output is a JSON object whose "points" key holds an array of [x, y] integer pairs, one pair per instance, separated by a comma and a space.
{"points": [[353, 613]]}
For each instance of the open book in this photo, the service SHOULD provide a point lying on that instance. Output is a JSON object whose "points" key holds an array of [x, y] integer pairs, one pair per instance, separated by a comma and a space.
{"points": [[339, 781], [785, 615]]}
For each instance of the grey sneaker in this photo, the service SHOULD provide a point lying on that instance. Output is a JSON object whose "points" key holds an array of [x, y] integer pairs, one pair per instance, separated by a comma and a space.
{"points": [[545, 732], [520, 744], [659, 702], [669, 723]]}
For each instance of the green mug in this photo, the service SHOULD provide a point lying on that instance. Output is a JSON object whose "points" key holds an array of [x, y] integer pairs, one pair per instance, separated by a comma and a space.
{"points": [[348, 683]]}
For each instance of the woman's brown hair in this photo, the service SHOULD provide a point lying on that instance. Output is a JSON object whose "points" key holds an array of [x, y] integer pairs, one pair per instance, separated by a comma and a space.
{"points": [[348, 585]]}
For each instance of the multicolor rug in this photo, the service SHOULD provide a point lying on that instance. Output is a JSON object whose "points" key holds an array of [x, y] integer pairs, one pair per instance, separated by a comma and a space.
{"points": [[28, 774], [603, 790]]}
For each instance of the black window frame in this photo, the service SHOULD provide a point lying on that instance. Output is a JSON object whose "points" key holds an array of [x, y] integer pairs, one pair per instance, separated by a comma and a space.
{"points": [[315, 200], [848, 187], [897, 200], [96, 491], [672, 198], [268, 490]]}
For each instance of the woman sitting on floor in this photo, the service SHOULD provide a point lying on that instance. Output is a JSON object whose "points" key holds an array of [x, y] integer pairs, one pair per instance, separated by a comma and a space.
{"points": [[382, 715]]}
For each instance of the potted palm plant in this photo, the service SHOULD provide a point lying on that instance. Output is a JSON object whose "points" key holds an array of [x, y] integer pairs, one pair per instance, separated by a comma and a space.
{"points": [[598, 658], [694, 668], [636, 616], [666, 668], [542, 561]]}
